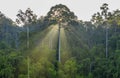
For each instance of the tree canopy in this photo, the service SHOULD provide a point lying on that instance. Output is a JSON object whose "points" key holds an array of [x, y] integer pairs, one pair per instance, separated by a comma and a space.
{"points": [[61, 13]]}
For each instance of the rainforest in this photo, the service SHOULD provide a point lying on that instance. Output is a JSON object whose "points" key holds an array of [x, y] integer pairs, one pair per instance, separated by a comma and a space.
{"points": [[59, 45]]}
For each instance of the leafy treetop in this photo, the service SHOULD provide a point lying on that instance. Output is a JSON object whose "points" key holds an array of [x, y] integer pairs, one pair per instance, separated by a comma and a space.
{"points": [[61, 13]]}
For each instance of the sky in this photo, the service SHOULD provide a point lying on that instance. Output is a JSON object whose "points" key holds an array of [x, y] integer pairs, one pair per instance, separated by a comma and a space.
{"points": [[84, 9]]}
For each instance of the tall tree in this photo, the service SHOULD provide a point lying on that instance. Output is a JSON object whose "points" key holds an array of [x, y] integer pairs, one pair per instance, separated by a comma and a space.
{"points": [[61, 14], [26, 18], [104, 8]]}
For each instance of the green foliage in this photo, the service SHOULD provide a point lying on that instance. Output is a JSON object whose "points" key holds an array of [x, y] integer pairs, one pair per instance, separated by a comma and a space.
{"points": [[26, 17], [61, 13], [83, 45], [70, 68], [43, 69], [9, 61]]}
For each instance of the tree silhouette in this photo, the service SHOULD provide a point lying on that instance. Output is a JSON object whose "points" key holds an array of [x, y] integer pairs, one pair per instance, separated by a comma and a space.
{"points": [[97, 18], [26, 18], [61, 13], [1, 15]]}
